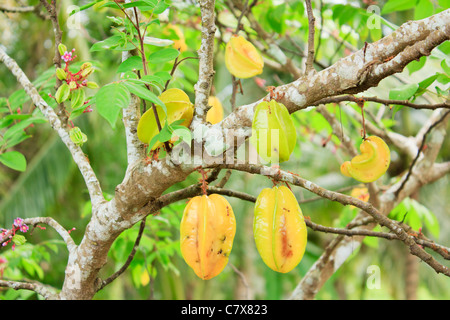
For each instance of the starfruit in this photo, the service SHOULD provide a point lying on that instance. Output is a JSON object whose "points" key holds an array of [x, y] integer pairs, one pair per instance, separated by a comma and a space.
{"points": [[371, 164], [179, 107], [207, 232], [242, 59], [279, 229], [215, 114], [77, 136], [273, 132]]}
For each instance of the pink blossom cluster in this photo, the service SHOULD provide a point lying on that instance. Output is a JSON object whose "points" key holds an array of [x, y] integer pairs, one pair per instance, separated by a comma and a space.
{"points": [[68, 56], [7, 235]]}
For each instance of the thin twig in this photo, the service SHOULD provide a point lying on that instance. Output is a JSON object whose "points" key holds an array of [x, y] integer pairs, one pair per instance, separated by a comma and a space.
{"points": [[422, 144], [130, 258], [311, 32], [386, 102]]}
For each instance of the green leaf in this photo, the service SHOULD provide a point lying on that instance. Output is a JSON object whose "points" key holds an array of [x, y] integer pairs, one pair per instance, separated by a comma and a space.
{"points": [[415, 215], [160, 7], [275, 18], [132, 63], [110, 99], [397, 5], [14, 159], [416, 65], [424, 84], [445, 67], [144, 93], [106, 44], [424, 9], [163, 55], [404, 92], [142, 5]]}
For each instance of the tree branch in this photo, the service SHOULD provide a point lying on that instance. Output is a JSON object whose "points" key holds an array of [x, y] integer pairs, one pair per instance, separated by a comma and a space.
{"points": [[281, 175], [206, 62], [78, 156], [386, 102], [311, 32], [47, 292]]}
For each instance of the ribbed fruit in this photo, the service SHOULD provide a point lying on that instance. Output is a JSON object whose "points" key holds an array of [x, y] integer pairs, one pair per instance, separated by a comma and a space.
{"points": [[371, 164], [215, 114], [178, 107], [207, 232], [279, 229], [273, 132], [242, 59]]}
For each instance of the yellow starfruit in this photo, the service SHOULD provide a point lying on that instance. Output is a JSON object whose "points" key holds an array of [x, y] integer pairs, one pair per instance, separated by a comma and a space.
{"points": [[242, 59], [279, 229], [207, 231], [371, 164], [273, 132], [215, 114], [178, 107]]}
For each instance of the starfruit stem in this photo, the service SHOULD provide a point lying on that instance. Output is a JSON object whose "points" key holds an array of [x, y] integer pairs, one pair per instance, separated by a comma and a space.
{"points": [[203, 180], [360, 103], [287, 185]]}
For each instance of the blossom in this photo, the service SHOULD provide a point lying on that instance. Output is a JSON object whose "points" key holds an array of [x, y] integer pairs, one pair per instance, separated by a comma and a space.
{"points": [[23, 228], [67, 56], [18, 222]]}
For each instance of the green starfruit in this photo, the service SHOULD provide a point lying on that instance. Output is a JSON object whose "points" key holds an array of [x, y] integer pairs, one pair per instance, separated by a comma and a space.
{"points": [[273, 132]]}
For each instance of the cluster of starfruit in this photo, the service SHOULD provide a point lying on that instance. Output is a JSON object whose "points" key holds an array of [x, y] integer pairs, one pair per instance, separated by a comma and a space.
{"points": [[208, 228]]}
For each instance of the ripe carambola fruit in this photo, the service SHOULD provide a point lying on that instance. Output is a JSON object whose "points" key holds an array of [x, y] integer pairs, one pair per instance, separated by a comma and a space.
{"points": [[273, 132], [279, 229], [371, 164], [207, 232], [178, 107], [242, 59], [215, 114]]}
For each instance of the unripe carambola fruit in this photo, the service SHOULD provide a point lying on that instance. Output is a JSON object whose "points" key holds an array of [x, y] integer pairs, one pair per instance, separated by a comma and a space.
{"points": [[371, 164], [279, 229], [178, 107], [207, 232], [273, 132], [215, 114], [242, 59]]}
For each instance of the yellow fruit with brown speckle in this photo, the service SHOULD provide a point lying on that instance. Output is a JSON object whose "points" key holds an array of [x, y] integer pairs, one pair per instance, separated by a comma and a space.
{"points": [[279, 229], [207, 232]]}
